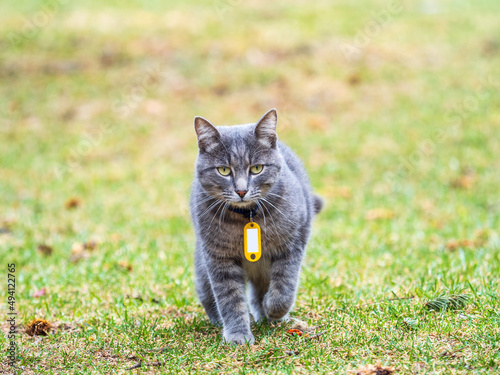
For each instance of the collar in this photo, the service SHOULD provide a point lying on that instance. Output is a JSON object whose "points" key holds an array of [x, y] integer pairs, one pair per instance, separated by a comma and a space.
{"points": [[245, 211]]}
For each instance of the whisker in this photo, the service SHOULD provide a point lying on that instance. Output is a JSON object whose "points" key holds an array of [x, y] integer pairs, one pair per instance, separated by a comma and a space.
{"points": [[216, 212], [277, 195], [208, 209], [223, 213], [203, 201], [205, 225], [263, 213], [276, 232], [277, 209]]}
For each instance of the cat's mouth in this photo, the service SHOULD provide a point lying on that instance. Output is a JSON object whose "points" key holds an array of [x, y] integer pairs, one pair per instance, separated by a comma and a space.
{"points": [[250, 204]]}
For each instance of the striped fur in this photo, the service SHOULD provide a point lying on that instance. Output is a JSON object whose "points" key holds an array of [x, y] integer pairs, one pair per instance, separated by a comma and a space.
{"points": [[285, 209]]}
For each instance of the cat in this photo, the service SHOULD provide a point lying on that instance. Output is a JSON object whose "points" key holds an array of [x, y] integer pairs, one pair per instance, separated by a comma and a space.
{"points": [[244, 172]]}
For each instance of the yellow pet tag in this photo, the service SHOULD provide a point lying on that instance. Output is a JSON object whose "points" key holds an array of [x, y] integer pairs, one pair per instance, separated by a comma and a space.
{"points": [[253, 249]]}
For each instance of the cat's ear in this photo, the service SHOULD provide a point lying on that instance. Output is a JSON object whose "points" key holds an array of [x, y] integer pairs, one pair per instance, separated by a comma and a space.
{"points": [[265, 129], [208, 136]]}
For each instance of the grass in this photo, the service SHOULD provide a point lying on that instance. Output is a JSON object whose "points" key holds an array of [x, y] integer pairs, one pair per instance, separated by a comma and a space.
{"points": [[401, 138]]}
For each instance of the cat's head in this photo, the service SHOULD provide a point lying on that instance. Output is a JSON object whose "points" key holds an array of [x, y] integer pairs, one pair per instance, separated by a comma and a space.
{"points": [[238, 164]]}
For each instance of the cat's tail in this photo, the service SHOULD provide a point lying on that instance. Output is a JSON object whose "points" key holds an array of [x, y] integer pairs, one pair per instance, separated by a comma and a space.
{"points": [[318, 203]]}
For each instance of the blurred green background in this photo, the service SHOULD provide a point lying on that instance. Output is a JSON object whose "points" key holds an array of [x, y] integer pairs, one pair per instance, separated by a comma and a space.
{"points": [[392, 105]]}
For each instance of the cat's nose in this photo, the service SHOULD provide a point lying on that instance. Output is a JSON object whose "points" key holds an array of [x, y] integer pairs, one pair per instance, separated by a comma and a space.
{"points": [[241, 193]]}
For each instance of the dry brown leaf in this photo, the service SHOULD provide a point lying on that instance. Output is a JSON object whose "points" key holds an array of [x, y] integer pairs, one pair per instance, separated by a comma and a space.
{"points": [[45, 249], [38, 327], [375, 370], [354, 79], [463, 182], [125, 265], [379, 213], [453, 245], [5, 226], [72, 203], [466, 180], [90, 245]]}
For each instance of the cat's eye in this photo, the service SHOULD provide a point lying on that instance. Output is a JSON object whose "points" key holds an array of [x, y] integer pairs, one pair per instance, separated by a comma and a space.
{"points": [[256, 169], [225, 171]]}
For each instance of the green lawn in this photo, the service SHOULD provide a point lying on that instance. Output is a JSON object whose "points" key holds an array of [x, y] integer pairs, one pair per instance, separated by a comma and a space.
{"points": [[394, 108]]}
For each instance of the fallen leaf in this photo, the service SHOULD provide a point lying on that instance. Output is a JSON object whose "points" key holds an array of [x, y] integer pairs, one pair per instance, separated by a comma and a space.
{"points": [[5, 227], [68, 114], [90, 245], [38, 327], [463, 182], [375, 370], [125, 265], [294, 332], [354, 79], [453, 245], [379, 213], [45, 249], [39, 293], [72, 203]]}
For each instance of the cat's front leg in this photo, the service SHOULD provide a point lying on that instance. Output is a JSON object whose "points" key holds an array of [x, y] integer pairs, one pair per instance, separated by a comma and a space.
{"points": [[228, 284], [280, 297], [256, 292]]}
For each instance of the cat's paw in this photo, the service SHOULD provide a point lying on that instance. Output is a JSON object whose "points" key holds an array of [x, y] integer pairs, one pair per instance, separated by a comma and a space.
{"points": [[239, 338], [276, 308]]}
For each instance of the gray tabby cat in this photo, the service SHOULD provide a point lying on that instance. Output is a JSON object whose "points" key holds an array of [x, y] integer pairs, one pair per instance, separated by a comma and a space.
{"points": [[244, 171]]}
